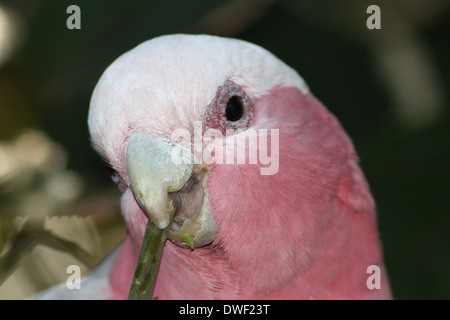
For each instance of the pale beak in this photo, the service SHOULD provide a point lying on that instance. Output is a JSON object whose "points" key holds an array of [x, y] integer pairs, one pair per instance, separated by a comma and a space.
{"points": [[153, 174]]}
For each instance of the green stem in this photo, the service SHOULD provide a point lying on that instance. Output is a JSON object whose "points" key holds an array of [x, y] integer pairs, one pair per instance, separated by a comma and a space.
{"points": [[148, 262]]}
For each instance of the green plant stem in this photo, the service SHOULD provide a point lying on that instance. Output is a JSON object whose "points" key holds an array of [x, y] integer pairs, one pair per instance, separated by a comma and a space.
{"points": [[148, 262]]}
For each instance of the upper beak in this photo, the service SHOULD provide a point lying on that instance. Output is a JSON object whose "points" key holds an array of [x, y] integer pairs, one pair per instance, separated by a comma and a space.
{"points": [[153, 174]]}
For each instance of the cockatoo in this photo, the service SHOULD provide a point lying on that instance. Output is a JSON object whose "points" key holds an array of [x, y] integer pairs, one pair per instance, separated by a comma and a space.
{"points": [[265, 181]]}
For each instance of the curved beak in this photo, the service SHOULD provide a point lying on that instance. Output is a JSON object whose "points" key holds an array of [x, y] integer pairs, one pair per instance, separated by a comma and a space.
{"points": [[153, 174]]}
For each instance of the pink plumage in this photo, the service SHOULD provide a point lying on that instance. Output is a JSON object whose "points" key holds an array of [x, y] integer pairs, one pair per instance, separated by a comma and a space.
{"points": [[308, 231]]}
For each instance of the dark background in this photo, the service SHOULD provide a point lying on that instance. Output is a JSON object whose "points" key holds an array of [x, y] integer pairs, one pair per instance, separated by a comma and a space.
{"points": [[388, 87]]}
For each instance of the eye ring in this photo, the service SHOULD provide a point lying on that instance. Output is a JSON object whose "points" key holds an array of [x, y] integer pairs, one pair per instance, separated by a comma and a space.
{"points": [[231, 108], [234, 109]]}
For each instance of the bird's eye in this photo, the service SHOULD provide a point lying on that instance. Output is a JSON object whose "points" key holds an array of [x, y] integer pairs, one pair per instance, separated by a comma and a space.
{"points": [[234, 109], [113, 173], [231, 108], [116, 178]]}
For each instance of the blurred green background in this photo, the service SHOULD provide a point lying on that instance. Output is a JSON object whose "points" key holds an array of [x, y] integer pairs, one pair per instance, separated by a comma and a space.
{"points": [[388, 87]]}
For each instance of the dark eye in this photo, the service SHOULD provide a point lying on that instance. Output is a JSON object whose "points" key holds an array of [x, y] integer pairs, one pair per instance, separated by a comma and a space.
{"points": [[231, 108], [114, 174], [116, 178], [235, 109]]}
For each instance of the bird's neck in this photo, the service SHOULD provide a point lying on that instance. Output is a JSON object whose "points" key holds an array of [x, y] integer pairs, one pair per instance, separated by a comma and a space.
{"points": [[201, 273], [208, 273]]}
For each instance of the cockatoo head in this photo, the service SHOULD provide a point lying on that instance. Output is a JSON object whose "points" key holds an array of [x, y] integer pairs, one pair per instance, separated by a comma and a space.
{"points": [[180, 87], [222, 142]]}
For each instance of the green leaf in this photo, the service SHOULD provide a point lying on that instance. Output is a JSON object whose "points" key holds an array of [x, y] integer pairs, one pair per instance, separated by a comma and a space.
{"points": [[186, 237]]}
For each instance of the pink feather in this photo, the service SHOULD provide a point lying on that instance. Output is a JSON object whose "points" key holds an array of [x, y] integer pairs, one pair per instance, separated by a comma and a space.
{"points": [[307, 232]]}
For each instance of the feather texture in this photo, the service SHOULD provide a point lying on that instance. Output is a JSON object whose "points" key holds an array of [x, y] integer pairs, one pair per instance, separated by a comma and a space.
{"points": [[307, 232]]}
